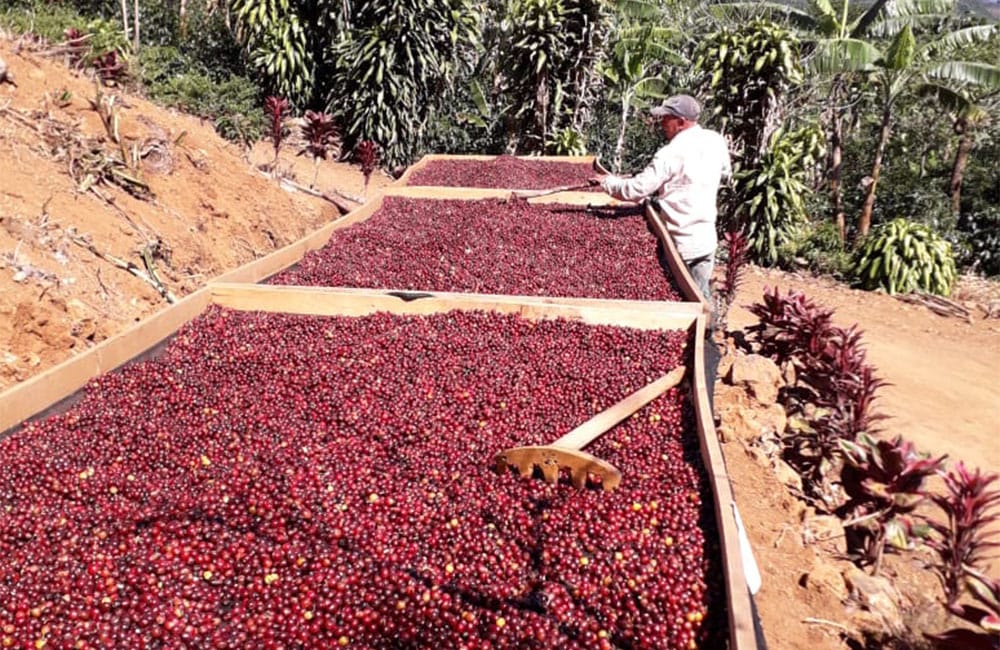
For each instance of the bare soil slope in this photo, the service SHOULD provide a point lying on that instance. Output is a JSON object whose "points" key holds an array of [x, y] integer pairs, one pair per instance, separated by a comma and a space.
{"points": [[210, 210]]}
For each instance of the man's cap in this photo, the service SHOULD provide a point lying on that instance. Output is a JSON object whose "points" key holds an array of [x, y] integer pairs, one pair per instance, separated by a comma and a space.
{"points": [[684, 106]]}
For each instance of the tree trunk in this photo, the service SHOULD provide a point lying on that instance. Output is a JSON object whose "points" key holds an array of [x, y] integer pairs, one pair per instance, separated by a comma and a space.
{"points": [[620, 144], [961, 160], [542, 106], [865, 218], [135, 35], [125, 25], [836, 160], [182, 14]]}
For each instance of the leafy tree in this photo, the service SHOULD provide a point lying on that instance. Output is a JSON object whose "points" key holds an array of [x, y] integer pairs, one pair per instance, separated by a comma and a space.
{"points": [[632, 68], [767, 203], [907, 64], [393, 66], [547, 56], [276, 40], [749, 69]]}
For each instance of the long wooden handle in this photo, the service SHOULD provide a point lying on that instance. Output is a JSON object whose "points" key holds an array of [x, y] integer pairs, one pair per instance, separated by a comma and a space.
{"points": [[530, 194], [593, 428]]}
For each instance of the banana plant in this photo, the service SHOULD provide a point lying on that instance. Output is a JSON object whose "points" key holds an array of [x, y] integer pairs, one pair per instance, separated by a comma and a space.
{"points": [[901, 256], [969, 111], [907, 63], [633, 67], [631, 73]]}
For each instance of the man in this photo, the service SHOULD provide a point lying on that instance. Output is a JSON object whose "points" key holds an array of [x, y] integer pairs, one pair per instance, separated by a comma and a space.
{"points": [[682, 180]]}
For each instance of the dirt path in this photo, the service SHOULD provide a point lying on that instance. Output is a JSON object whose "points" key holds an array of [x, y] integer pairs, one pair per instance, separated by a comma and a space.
{"points": [[945, 372]]}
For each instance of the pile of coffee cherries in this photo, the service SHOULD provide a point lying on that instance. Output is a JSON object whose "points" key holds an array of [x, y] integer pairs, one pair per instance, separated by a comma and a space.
{"points": [[282, 481], [502, 172], [493, 246]]}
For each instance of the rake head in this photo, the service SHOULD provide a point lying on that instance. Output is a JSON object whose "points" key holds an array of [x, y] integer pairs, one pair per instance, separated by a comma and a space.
{"points": [[550, 460]]}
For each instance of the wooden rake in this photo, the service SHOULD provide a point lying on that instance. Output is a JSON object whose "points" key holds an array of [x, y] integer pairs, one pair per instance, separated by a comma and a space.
{"points": [[566, 452]]}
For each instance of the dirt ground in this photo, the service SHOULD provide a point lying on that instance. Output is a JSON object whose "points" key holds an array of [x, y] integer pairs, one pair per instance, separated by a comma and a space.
{"points": [[65, 285], [944, 396]]}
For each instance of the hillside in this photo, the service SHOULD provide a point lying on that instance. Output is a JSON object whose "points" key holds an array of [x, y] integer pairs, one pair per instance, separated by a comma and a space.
{"points": [[73, 250]]}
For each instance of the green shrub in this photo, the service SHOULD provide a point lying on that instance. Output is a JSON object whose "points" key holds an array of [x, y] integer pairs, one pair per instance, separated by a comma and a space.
{"points": [[768, 200], [47, 20], [819, 249], [233, 103], [903, 256], [979, 241]]}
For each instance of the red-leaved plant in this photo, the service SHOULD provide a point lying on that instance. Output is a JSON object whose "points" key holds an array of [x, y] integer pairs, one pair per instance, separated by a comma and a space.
{"points": [[962, 541], [884, 482], [321, 135], [985, 616], [110, 67], [843, 383], [75, 42], [790, 325], [367, 153], [736, 257], [275, 108], [835, 387]]}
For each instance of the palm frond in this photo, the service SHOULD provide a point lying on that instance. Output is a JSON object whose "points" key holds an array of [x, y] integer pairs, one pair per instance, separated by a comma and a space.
{"points": [[842, 55], [962, 37], [652, 87], [890, 26], [903, 8], [949, 99], [793, 15], [639, 9], [985, 75]]}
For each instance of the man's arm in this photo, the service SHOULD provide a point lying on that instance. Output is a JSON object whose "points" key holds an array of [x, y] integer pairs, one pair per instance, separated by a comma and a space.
{"points": [[645, 183]]}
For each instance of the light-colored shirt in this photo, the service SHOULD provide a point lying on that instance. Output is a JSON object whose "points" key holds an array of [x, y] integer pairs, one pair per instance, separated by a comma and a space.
{"points": [[683, 180]]}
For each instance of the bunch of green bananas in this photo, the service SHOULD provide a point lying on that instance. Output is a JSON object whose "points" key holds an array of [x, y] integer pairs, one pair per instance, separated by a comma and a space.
{"points": [[902, 256]]}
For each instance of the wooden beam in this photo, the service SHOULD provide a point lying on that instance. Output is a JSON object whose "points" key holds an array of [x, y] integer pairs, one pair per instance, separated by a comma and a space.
{"points": [[329, 301], [285, 257], [689, 290], [428, 159], [741, 623]]}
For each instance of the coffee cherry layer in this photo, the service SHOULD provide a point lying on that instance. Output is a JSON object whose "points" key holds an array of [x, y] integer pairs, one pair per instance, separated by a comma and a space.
{"points": [[280, 481], [493, 246], [502, 172]]}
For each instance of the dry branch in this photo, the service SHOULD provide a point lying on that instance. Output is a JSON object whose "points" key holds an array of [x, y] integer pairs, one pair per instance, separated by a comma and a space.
{"points": [[937, 304], [147, 275], [341, 201]]}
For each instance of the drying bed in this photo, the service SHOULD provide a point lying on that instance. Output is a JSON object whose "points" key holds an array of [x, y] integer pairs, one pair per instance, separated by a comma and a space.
{"points": [[500, 172], [276, 480], [494, 246]]}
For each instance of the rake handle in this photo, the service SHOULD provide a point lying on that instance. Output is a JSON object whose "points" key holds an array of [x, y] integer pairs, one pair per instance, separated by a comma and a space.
{"points": [[531, 194], [593, 428]]}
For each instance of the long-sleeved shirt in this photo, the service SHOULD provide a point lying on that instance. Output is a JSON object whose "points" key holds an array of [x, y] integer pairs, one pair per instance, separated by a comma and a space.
{"points": [[683, 180]]}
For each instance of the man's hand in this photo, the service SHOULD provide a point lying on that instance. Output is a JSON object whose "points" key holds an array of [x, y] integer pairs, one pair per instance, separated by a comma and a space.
{"points": [[593, 181]]}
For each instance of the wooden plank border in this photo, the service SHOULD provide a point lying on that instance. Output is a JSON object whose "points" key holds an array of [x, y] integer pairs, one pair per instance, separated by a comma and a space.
{"points": [[685, 282], [336, 301], [29, 398]]}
